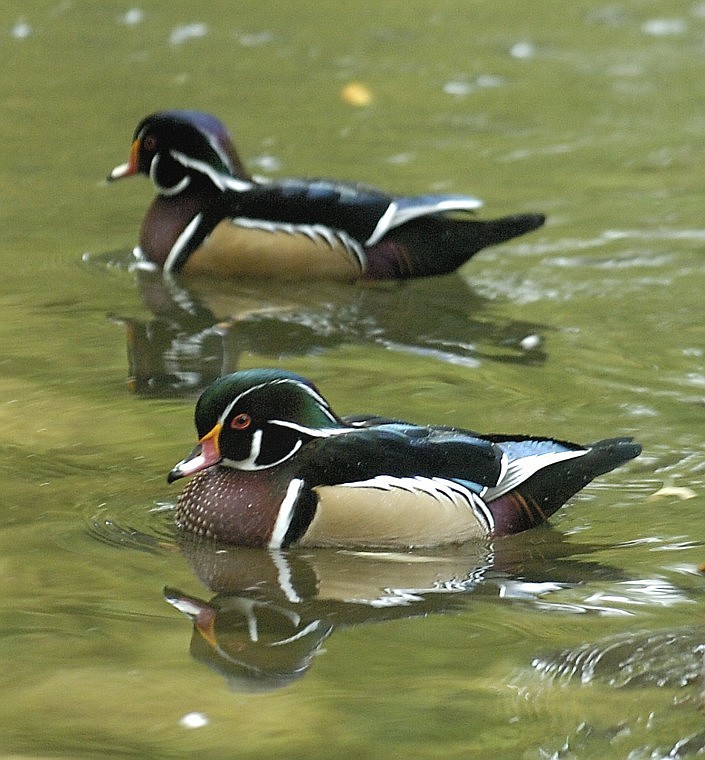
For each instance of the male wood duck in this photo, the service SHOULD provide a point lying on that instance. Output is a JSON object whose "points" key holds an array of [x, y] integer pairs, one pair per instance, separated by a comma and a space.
{"points": [[277, 467], [210, 216]]}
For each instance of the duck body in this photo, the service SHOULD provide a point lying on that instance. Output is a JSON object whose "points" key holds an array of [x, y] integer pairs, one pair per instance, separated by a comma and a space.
{"points": [[276, 467], [210, 216]]}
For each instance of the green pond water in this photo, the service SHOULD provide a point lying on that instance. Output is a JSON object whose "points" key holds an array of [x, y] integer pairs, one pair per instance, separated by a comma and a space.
{"points": [[579, 640]]}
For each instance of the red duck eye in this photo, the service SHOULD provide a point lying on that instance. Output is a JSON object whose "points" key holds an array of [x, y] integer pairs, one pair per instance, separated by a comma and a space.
{"points": [[241, 421], [149, 143]]}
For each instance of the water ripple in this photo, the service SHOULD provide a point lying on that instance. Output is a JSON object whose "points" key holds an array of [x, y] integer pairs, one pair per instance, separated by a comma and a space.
{"points": [[148, 530], [671, 658]]}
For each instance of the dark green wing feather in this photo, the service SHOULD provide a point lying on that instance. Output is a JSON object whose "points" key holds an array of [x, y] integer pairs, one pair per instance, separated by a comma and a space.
{"points": [[400, 450]]}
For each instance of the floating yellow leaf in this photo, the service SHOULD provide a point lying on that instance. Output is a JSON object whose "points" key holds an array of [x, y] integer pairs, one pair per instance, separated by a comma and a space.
{"points": [[356, 94], [680, 492]]}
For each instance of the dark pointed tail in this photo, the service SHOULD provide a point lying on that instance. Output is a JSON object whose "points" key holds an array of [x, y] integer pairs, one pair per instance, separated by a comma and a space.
{"points": [[536, 499], [497, 231], [439, 244]]}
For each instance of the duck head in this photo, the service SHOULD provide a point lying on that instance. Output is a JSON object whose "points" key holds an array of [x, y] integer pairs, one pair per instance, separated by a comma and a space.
{"points": [[256, 419], [176, 148]]}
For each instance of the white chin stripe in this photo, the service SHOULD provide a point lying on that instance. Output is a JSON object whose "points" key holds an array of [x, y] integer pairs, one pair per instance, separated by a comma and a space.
{"points": [[255, 449], [181, 185]]}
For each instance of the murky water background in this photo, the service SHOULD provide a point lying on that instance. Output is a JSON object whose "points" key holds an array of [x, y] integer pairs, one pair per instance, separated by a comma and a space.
{"points": [[581, 640]]}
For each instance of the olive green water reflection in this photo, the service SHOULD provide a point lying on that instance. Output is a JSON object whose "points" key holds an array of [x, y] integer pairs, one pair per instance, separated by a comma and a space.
{"points": [[581, 640]]}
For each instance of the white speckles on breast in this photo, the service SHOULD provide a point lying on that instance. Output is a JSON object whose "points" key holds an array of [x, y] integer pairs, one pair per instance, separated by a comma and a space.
{"points": [[229, 505]]}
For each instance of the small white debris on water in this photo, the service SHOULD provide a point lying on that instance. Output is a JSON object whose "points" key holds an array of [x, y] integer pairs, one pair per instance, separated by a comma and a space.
{"points": [[255, 39], [530, 342], [132, 17], [400, 159], [266, 163], [194, 720], [461, 87], [488, 81], [21, 30], [522, 50], [662, 27], [458, 88], [180, 34]]}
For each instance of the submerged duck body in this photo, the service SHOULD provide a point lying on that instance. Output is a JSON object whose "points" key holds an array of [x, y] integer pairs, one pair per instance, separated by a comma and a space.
{"points": [[275, 467], [210, 216]]}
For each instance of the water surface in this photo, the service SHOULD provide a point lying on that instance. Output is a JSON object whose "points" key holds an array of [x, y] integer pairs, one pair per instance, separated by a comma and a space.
{"points": [[579, 640]]}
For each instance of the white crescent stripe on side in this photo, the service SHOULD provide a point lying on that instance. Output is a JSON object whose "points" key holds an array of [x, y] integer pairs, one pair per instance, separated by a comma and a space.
{"points": [[286, 513], [181, 242]]}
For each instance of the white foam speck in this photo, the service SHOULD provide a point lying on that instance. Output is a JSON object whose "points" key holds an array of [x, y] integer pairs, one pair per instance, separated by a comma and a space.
{"points": [[458, 88], [132, 17], [181, 34], [266, 163], [461, 87], [255, 39], [21, 30], [522, 50], [530, 342], [193, 720], [661, 27]]}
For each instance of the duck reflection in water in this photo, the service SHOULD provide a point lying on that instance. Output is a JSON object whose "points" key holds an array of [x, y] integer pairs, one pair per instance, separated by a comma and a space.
{"points": [[200, 329], [273, 610]]}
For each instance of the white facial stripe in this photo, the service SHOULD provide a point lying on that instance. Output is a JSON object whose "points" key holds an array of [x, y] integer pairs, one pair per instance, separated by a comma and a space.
{"points": [[223, 156], [251, 462], [297, 446], [182, 184], [313, 432], [286, 513], [319, 399], [256, 446], [221, 181]]}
